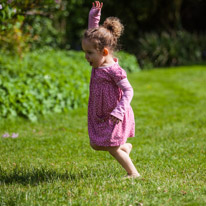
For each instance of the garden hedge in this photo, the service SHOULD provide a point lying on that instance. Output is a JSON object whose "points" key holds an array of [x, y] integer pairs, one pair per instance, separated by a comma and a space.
{"points": [[46, 81]]}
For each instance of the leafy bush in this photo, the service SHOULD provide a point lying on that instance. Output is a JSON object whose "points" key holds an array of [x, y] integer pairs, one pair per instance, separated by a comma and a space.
{"points": [[128, 61], [45, 81], [166, 49], [28, 24], [42, 33]]}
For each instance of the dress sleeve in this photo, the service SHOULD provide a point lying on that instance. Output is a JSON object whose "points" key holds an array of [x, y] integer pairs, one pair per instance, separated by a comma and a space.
{"points": [[117, 74], [94, 18], [123, 83]]}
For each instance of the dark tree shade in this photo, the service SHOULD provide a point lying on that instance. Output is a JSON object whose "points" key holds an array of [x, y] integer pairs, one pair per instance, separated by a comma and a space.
{"points": [[193, 15]]}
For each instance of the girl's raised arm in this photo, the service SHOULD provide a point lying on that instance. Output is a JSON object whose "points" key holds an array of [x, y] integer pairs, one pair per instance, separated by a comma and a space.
{"points": [[94, 15]]}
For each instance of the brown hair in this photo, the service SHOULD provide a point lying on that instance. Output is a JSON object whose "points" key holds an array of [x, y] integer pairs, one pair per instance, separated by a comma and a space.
{"points": [[106, 35]]}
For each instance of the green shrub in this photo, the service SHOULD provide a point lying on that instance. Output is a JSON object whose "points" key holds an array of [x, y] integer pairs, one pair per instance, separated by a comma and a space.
{"points": [[42, 32], [45, 81], [28, 24], [128, 61], [166, 49]]}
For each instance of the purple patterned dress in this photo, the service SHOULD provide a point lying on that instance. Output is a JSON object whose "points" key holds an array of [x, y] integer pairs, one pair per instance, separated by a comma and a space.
{"points": [[106, 99]]}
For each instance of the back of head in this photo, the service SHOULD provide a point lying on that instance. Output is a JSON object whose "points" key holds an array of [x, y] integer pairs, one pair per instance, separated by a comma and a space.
{"points": [[114, 25], [106, 35]]}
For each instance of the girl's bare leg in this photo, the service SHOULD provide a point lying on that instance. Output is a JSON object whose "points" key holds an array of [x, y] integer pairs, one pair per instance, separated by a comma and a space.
{"points": [[127, 147], [122, 157]]}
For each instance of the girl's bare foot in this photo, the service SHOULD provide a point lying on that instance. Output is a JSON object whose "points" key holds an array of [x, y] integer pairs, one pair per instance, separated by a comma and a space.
{"points": [[127, 147], [135, 175]]}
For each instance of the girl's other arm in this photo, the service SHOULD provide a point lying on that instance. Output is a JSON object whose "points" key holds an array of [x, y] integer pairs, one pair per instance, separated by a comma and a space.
{"points": [[124, 103], [94, 15]]}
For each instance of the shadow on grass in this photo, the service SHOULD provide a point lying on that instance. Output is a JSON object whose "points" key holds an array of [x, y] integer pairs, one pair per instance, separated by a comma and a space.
{"points": [[36, 176]]}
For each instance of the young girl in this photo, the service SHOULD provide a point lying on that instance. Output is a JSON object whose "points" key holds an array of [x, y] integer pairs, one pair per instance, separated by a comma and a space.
{"points": [[110, 116]]}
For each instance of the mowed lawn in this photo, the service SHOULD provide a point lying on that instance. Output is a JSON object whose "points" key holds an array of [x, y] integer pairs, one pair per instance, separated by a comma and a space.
{"points": [[51, 162]]}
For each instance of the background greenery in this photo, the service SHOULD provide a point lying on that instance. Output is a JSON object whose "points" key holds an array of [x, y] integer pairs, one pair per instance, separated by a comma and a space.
{"points": [[51, 162], [174, 30], [41, 74], [47, 81]]}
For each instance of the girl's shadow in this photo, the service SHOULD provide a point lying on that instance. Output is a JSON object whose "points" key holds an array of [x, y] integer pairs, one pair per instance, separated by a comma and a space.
{"points": [[35, 176]]}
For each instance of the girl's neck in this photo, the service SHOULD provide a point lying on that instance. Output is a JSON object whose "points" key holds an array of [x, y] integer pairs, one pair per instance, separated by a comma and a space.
{"points": [[108, 61]]}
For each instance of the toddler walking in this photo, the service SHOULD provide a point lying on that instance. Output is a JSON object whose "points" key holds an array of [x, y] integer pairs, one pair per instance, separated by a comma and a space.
{"points": [[110, 116]]}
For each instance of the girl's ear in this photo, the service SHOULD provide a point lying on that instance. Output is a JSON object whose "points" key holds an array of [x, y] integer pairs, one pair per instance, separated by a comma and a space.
{"points": [[105, 52]]}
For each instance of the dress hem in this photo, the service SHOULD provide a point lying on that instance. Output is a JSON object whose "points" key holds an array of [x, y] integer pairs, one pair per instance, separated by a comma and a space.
{"points": [[111, 145]]}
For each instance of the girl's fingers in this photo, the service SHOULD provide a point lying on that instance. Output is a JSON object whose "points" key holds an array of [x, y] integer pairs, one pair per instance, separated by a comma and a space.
{"points": [[115, 120], [112, 118], [97, 5]]}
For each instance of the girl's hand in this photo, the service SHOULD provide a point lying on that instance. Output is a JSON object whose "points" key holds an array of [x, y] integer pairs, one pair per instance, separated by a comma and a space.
{"points": [[114, 119], [96, 8], [95, 15], [98, 5]]}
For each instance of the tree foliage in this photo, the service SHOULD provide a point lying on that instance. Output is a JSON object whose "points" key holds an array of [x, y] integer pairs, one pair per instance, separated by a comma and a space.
{"points": [[15, 31], [29, 24]]}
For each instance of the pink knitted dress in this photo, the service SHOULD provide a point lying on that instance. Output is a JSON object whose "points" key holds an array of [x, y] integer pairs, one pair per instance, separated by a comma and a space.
{"points": [[110, 94]]}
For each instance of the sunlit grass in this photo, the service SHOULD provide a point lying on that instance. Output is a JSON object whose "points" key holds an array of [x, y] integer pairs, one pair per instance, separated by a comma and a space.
{"points": [[51, 162]]}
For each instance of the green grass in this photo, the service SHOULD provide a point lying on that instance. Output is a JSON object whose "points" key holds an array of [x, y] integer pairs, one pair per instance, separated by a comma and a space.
{"points": [[51, 162]]}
